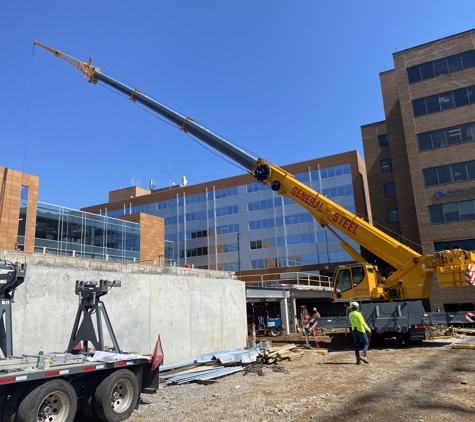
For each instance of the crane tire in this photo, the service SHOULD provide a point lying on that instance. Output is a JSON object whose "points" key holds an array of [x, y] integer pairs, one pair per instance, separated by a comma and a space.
{"points": [[87, 396], [47, 400], [116, 396], [11, 406]]}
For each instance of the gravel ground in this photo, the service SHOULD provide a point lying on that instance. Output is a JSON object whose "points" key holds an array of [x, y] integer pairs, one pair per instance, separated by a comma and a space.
{"points": [[430, 382]]}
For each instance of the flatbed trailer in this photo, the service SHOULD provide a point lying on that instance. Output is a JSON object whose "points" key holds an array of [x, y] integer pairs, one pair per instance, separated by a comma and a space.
{"points": [[47, 388]]}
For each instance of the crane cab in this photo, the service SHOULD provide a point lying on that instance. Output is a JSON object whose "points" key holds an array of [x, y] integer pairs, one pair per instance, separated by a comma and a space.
{"points": [[355, 282]]}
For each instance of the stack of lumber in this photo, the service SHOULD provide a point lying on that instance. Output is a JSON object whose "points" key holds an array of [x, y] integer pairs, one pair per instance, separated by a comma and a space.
{"points": [[466, 331], [275, 354]]}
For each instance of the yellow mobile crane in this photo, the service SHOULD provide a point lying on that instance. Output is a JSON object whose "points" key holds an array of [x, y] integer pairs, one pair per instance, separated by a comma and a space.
{"points": [[389, 304]]}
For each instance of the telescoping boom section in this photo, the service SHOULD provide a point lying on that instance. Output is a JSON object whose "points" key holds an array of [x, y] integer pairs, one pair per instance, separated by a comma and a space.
{"points": [[414, 272]]}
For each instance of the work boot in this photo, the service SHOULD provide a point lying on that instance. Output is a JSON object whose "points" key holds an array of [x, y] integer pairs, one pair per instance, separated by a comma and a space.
{"points": [[358, 360], [364, 359]]}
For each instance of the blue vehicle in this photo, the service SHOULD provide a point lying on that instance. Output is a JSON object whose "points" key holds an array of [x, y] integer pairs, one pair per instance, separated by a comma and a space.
{"points": [[274, 327]]}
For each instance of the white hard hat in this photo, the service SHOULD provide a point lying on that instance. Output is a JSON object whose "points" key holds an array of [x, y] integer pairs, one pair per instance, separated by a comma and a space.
{"points": [[355, 305], [314, 309]]}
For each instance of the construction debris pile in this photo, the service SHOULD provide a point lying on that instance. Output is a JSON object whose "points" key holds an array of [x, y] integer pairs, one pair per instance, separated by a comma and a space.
{"points": [[206, 368]]}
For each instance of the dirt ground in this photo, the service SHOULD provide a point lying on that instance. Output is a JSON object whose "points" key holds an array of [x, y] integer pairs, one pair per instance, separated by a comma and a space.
{"points": [[429, 382]]}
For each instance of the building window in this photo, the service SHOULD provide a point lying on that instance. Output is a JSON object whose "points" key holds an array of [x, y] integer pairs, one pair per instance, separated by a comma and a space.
{"points": [[386, 165], [227, 248], [226, 229], [451, 173], [383, 141], [389, 190], [258, 264], [393, 216], [444, 101], [261, 224], [338, 191], [293, 260], [453, 135], [223, 193], [22, 216], [466, 244], [299, 239], [452, 211], [260, 205], [219, 212], [262, 244], [298, 219], [439, 67]]}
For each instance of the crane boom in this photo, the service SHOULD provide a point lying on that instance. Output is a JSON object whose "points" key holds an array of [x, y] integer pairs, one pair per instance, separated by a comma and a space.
{"points": [[414, 271]]}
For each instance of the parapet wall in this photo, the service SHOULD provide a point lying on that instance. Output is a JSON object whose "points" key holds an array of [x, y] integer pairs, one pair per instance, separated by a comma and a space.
{"points": [[194, 311]]}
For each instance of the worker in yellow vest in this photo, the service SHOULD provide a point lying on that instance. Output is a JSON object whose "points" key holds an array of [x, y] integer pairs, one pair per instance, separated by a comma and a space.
{"points": [[359, 328]]}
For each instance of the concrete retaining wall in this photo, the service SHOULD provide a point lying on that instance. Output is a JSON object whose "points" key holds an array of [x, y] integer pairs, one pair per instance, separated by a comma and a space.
{"points": [[194, 311]]}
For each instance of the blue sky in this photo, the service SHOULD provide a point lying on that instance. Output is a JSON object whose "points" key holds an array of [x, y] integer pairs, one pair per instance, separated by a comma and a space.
{"points": [[286, 80]]}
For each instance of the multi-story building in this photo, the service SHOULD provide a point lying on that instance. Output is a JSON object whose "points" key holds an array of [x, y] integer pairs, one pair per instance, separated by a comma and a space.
{"points": [[421, 159], [236, 224]]}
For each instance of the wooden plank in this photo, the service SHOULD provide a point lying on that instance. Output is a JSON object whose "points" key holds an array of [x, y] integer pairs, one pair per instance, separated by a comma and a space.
{"points": [[464, 330], [318, 351], [463, 346], [310, 337], [282, 349], [444, 337]]}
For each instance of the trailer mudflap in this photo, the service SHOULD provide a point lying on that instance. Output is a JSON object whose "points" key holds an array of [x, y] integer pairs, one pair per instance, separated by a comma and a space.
{"points": [[150, 379]]}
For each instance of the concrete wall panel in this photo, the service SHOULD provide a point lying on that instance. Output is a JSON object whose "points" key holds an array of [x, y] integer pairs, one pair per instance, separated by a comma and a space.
{"points": [[194, 311]]}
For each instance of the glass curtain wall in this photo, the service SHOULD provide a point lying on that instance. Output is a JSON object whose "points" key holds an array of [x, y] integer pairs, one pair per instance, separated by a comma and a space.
{"points": [[63, 231], [208, 229], [23, 214]]}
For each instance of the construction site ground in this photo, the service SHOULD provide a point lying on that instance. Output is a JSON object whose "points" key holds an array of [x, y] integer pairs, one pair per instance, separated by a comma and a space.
{"points": [[429, 382]]}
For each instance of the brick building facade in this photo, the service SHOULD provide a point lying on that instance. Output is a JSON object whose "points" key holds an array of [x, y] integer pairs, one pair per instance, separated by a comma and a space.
{"points": [[421, 159], [18, 198]]}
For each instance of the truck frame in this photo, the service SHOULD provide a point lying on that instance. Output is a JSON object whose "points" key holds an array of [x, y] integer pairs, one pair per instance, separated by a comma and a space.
{"points": [[390, 303]]}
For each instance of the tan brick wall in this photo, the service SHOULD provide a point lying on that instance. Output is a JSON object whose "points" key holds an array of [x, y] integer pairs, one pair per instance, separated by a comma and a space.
{"points": [[152, 236], [127, 193], [11, 182], [412, 197]]}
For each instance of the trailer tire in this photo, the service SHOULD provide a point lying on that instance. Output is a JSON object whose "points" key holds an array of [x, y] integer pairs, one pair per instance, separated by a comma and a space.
{"points": [[116, 396], [87, 396], [11, 406], [56, 398]]}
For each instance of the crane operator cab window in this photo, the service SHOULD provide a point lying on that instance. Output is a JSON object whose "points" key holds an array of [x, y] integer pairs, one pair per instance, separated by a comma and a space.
{"points": [[347, 279]]}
